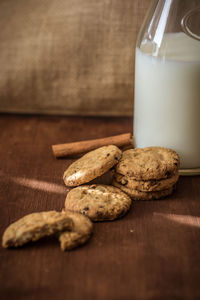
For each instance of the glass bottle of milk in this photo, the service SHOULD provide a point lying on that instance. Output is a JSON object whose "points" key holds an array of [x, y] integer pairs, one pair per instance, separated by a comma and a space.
{"points": [[167, 80]]}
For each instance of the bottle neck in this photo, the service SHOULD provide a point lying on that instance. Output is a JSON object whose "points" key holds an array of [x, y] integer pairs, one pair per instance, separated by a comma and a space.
{"points": [[171, 16]]}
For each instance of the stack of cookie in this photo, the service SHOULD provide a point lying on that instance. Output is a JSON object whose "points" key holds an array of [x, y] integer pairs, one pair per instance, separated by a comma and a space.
{"points": [[147, 173]]}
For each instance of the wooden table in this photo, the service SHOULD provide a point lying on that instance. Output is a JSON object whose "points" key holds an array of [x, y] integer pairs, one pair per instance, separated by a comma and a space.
{"points": [[152, 253]]}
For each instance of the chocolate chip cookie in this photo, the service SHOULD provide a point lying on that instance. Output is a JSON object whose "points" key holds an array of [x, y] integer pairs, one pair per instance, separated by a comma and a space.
{"points": [[148, 163], [35, 226], [148, 185], [138, 195], [98, 202], [92, 165]]}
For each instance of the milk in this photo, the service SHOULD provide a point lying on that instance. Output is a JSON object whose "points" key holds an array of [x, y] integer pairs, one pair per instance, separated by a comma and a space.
{"points": [[167, 97]]}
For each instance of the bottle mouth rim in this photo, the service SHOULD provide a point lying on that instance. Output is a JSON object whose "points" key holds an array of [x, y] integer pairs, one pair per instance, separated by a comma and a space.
{"points": [[186, 20]]}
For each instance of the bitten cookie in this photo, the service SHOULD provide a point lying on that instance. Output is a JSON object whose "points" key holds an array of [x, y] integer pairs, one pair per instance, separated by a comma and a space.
{"points": [[92, 165], [148, 185], [81, 231], [148, 163], [98, 202], [137, 195], [34, 227]]}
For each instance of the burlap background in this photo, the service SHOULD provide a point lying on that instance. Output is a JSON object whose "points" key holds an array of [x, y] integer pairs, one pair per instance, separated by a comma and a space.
{"points": [[68, 56]]}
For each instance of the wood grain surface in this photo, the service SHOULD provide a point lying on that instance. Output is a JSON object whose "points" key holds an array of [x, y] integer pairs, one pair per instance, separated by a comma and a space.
{"points": [[152, 253], [69, 56]]}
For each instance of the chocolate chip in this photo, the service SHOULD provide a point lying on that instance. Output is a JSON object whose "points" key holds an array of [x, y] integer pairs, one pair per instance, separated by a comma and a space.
{"points": [[121, 213], [108, 154], [100, 214], [167, 174], [86, 208], [153, 182]]}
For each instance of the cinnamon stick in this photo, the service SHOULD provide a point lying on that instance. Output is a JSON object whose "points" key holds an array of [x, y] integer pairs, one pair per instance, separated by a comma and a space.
{"points": [[71, 149]]}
